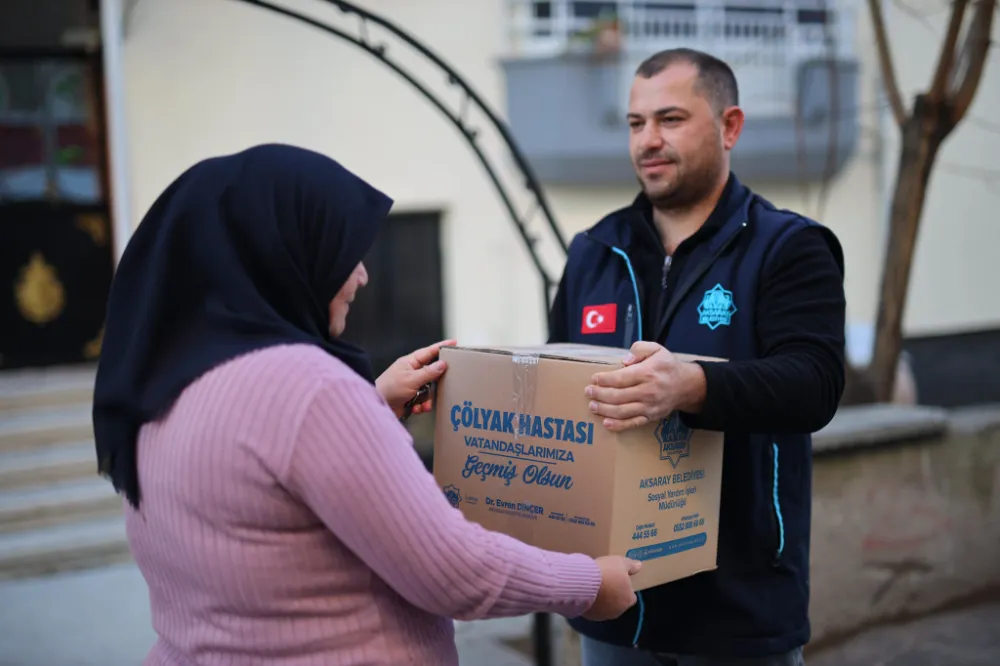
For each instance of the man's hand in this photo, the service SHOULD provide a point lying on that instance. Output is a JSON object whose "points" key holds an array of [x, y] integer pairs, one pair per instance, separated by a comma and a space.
{"points": [[652, 384], [401, 380]]}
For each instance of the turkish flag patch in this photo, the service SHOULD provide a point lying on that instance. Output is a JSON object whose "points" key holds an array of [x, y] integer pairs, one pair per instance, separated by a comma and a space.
{"points": [[600, 318]]}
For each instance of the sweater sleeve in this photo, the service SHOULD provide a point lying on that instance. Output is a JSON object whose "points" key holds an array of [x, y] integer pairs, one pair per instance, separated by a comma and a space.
{"points": [[354, 465]]}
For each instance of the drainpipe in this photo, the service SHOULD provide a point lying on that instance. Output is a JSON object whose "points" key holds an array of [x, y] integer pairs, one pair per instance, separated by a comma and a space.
{"points": [[885, 125], [112, 36], [885, 162]]}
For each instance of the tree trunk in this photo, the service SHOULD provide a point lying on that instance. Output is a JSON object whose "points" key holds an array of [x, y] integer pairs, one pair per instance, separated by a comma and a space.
{"points": [[922, 134]]}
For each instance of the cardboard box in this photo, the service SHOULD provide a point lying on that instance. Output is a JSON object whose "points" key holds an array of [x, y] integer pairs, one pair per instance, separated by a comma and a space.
{"points": [[517, 450]]}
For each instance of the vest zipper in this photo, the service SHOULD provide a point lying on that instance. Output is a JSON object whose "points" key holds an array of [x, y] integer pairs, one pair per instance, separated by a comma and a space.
{"points": [[693, 276], [664, 299], [628, 326]]}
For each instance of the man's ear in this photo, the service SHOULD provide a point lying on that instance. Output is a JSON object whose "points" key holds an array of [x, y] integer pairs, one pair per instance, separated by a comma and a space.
{"points": [[731, 126]]}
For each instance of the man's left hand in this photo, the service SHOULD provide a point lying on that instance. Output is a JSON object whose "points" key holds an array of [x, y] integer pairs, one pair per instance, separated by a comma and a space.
{"points": [[652, 384], [401, 380]]}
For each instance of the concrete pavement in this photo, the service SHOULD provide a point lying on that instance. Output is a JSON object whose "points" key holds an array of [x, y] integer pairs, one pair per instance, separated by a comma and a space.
{"points": [[967, 637], [101, 617]]}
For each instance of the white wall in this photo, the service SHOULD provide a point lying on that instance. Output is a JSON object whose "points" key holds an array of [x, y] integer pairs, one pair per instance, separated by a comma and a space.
{"points": [[205, 77]]}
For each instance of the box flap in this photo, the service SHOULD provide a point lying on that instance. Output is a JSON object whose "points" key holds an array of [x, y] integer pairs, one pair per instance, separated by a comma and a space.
{"points": [[559, 351]]}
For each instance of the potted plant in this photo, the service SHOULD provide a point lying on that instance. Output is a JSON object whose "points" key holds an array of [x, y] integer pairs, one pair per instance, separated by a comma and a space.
{"points": [[601, 38]]}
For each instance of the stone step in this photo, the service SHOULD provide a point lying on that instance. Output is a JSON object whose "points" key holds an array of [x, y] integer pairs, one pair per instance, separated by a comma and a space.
{"points": [[70, 547], [56, 513], [22, 389], [45, 426], [57, 504], [47, 465]]}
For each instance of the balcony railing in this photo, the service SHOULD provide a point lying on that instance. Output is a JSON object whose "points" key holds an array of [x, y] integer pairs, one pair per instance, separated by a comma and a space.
{"points": [[572, 63], [764, 42]]}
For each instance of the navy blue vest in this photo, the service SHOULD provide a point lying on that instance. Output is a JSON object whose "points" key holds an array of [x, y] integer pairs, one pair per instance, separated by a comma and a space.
{"points": [[756, 602]]}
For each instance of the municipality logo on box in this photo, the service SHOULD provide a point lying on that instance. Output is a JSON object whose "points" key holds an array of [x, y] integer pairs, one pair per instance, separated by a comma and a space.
{"points": [[674, 438], [453, 495]]}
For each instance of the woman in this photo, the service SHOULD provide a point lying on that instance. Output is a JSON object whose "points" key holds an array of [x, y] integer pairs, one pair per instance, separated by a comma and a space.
{"points": [[275, 505]]}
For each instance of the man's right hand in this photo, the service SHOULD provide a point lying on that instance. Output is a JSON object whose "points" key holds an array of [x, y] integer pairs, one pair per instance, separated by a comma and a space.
{"points": [[616, 594]]}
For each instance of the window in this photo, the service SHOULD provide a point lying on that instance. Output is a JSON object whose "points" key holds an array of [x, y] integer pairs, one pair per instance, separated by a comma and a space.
{"points": [[401, 308], [50, 130], [592, 10]]}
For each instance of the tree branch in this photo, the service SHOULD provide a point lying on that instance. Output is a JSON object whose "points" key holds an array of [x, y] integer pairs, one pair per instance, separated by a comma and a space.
{"points": [[915, 15], [885, 63], [972, 61], [946, 59]]}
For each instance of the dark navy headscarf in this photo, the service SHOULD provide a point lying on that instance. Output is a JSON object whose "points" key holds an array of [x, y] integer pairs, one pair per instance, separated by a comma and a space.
{"points": [[240, 252]]}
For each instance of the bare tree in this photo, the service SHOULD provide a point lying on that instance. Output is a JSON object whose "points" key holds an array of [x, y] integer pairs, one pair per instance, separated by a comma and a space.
{"points": [[924, 127]]}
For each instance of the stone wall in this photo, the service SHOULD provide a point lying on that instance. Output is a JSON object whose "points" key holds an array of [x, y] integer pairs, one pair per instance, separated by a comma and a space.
{"points": [[906, 517], [906, 514]]}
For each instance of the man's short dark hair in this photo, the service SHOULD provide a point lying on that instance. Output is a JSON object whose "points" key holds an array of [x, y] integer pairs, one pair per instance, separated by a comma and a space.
{"points": [[715, 77]]}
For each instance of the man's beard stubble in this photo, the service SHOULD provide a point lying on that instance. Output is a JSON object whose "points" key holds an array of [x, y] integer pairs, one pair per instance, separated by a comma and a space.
{"points": [[689, 188]]}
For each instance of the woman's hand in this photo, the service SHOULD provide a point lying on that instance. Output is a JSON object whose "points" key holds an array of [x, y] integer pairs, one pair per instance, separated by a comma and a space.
{"points": [[401, 380], [615, 595]]}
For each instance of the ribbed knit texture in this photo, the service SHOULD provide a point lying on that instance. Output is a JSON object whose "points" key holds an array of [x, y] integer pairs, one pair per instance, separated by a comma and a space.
{"points": [[286, 519]]}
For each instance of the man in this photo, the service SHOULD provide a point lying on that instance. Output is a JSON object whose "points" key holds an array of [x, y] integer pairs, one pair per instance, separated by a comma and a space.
{"points": [[699, 264]]}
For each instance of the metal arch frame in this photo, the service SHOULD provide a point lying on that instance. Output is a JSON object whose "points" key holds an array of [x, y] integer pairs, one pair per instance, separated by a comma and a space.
{"points": [[541, 630], [470, 134]]}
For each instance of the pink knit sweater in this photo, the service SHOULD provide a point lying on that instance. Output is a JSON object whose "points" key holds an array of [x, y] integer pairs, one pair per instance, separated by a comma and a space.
{"points": [[286, 519]]}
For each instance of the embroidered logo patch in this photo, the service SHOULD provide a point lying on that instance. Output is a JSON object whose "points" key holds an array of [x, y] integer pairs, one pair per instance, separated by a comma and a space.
{"points": [[716, 308]]}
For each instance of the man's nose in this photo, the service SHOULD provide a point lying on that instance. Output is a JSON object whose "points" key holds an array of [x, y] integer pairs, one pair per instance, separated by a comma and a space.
{"points": [[362, 275], [650, 139]]}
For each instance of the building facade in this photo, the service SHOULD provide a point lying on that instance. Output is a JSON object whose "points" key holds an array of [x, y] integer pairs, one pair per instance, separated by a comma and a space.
{"points": [[182, 80]]}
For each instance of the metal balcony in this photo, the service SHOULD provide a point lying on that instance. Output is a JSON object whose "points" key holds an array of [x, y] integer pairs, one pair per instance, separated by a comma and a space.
{"points": [[573, 61]]}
